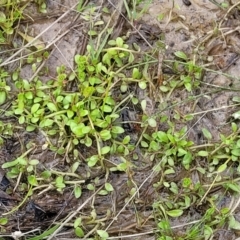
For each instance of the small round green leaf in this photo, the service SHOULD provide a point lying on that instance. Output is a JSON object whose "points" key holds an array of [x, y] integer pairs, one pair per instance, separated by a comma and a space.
{"points": [[222, 168], [119, 42], [103, 192], [3, 221], [46, 174], [207, 134], [144, 144], [126, 139], [30, 128], [181, 55], [105, 135], [103, 234], [79, 232], [175, 212], [93, 160], [52, 107], [32, 180], [106, 108], [35, 107], [11, 163], [21, 120], [164, 88], [77, 191], [105, 150], [236, 152], [236, 115], [203, 153], [117, 130], [144, 105], [34, 162], [77, 222], [29, 95], [109, 187], [142, 85], [152, 122]]}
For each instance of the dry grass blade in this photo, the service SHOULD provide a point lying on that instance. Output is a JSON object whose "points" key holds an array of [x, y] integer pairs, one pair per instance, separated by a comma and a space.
{"points": [[135, 29], [4, 63], [72, 215], [134, 195]]}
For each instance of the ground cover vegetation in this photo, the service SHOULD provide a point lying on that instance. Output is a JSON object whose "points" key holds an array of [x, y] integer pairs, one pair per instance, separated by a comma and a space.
{"points": [[103, 149]]}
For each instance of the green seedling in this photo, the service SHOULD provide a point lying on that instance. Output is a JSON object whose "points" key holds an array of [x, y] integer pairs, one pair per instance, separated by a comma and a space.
{"points": [[12, 12], [21, 165], [136, 9], [78, 117], [4, 88], [190, 74], [3, 222], [78, 228]]}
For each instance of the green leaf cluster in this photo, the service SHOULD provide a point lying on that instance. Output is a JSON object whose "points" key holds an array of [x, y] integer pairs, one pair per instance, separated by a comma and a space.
{"points": [[78, 116]]}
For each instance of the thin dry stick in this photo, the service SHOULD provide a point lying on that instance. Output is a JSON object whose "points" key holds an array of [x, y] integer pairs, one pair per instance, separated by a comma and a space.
{"points": [[224, 18], [131, 198], [50, 44], [154, 231], [215, 109], [73, 214], [39, 35], [229, 10], [209, 189], [170, 14], [135, 29], [236, 205], [69, 65], [193, 126], [38, 70], [54, 43]]}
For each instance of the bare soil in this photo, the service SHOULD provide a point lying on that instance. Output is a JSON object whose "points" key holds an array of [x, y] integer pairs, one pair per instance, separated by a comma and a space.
{"points": [[187, 26]]}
